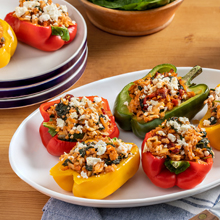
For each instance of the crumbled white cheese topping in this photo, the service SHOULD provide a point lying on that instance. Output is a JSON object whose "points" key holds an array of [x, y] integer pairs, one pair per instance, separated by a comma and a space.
{"points": [[206, 153], [171, 137], [182, 142], [19, 11], [44, 17], [84, 175], [91, 161], [79, 146], [78, 128], [52, 11], [97, 99], [123, 147], [101, 147], [31, 4], [161, 133], [60, 123], [126, 103], [73, 115], [183, 119], [206, 122]]}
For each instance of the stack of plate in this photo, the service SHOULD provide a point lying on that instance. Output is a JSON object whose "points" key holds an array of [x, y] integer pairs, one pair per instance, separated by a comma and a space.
{"points": [[33, 76]]}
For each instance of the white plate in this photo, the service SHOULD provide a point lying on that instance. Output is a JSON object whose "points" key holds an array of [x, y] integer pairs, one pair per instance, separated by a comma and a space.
{"points": [[31, 162], [29, 62], [30, 99], [18, 92]]}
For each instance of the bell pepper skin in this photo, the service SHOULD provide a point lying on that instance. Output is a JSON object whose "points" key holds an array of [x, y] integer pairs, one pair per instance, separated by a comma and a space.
{"points": [[10, 45], [212, 131], [56, 146], [101, 186], [159, 175], [189, 108], [38, 36]]}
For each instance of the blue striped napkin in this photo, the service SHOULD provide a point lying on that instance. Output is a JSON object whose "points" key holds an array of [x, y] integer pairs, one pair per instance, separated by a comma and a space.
{"points": [[182, 209]]}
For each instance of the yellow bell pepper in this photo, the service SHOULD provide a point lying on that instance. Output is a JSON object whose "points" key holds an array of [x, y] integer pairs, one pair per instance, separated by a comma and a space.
{"points": [[100, 186], [213, 131], [8, 43]]}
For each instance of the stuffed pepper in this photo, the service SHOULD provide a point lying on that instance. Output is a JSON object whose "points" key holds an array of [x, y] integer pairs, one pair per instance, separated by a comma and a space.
{"points": [[8, 43], [145, 103], [211, 120], [42, 24], [73, 119], [176, 153], [96, 168]]}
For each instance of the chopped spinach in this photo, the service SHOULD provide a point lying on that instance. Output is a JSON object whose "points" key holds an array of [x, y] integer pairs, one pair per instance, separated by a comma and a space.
{"points": [[39, 8], [141, 103], [140, 88], [110, 144], [213, 120], [204, 133], [65, 163], [110, 162], [74, 139], [203, 143], [89, 167], [62, 110], [82, 151]]}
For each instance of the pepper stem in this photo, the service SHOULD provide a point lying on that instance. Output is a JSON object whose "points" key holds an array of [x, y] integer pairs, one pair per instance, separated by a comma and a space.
{"points": [[194, 72]]}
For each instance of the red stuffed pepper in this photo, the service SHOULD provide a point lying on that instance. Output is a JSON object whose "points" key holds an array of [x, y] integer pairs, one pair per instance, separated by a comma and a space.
{"points": [[43, 25], [176, 153], [73, 119]]}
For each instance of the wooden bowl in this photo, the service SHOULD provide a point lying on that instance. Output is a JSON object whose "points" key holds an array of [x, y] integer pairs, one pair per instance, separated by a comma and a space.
{"points": [[131, 23]]}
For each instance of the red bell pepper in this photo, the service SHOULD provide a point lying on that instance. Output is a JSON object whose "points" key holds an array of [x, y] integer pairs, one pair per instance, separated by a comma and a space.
{"points": [[38, 36], [56, 146], [157, 172]]}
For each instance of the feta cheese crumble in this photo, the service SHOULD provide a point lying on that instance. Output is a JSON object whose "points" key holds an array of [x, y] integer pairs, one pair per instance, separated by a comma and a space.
{"points": [[178, 140]]}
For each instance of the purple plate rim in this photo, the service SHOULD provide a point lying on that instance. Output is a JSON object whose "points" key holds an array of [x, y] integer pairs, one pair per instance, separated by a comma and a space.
{"points": [[43, 97], [35, 88], [43, 77]]}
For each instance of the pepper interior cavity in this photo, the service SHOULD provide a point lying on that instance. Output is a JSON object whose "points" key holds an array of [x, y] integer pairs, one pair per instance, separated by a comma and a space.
{"points": [[78, 119], [152, 97], [43, 13], [213, 103], [96, 157], [178, 140]]}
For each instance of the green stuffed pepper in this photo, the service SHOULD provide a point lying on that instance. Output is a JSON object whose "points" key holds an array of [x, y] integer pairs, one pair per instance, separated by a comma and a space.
{"points": [[145, 103]]}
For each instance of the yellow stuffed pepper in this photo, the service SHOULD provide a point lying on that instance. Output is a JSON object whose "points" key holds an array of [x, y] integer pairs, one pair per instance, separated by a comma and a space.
{"points": [[96, 168], [211, 121], [8, 43]]}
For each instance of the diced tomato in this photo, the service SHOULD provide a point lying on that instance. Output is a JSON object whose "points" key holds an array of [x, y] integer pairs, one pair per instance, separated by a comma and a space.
{"points": [[162, 92], [175, 102]]}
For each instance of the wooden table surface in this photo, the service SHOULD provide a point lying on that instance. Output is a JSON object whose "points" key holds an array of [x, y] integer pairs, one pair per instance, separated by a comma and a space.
{"points": [[193, 38]]}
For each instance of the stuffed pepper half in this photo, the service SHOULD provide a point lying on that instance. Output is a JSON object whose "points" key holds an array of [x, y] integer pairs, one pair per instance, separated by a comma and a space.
{"points": [[177, 153], [211, 120], [8, 43], [73, 119], [96, 168], [145, 103], [42, 24]]}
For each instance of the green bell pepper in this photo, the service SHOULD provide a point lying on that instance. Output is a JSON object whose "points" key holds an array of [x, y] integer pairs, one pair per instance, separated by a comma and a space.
{"points": [[127, 121]]}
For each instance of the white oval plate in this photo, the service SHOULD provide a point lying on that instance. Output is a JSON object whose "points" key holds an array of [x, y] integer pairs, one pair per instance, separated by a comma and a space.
{"points": [[31, 161], [29, 62]]}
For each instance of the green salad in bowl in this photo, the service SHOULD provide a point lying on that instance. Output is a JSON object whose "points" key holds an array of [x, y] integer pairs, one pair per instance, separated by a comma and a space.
{"points": [[131, 5]]}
